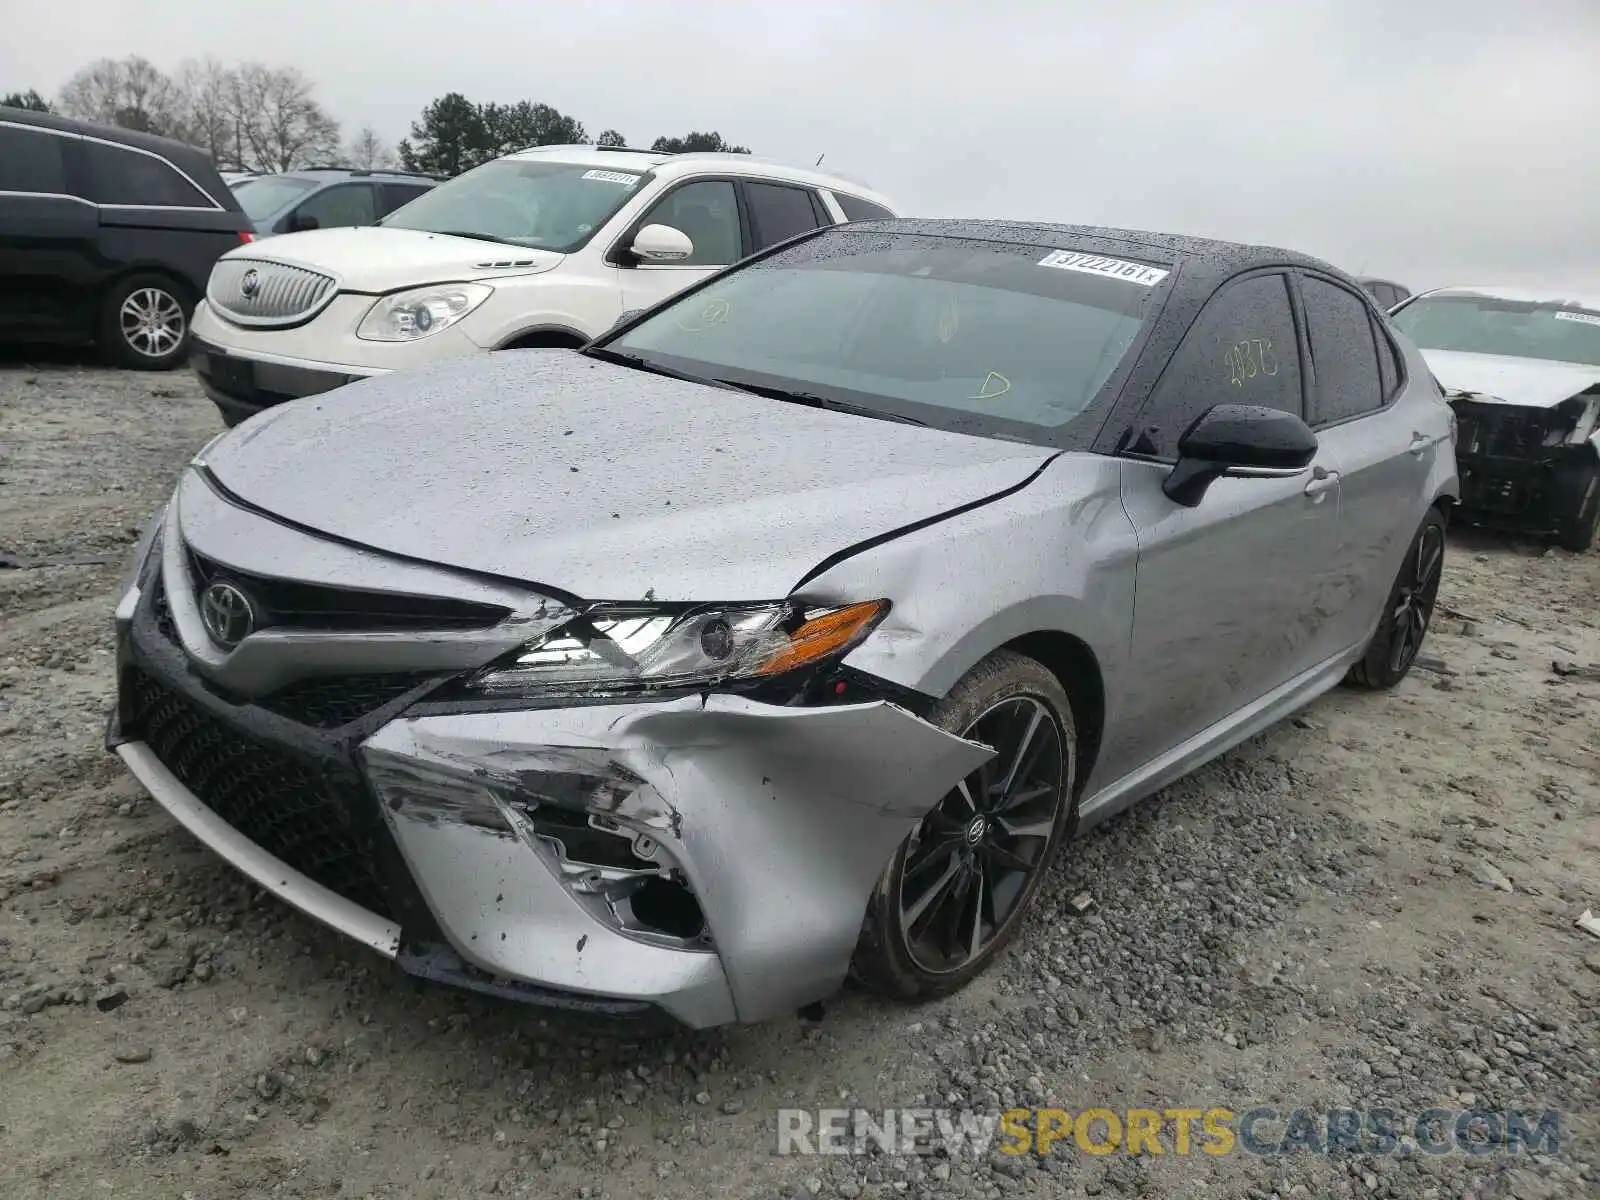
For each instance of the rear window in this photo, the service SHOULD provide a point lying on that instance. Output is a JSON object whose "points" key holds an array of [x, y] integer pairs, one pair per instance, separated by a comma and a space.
{"points": [[979, 337], [121, 176]]}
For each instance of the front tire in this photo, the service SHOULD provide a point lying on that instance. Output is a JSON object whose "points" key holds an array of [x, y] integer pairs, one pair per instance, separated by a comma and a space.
{"points": [[953, 896], [1583, 530], [1408, 611], [144, 323]]}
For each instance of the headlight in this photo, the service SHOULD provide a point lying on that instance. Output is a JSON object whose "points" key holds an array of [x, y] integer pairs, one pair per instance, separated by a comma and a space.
{"points": [[407, 316], [620, 649]]}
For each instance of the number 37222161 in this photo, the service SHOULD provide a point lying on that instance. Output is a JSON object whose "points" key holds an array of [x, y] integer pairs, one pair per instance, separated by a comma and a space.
{"points": [[1249, 360]]}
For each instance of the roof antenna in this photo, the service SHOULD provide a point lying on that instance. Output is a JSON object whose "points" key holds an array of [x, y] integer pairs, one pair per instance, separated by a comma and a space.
{"points": [[820, 157]]}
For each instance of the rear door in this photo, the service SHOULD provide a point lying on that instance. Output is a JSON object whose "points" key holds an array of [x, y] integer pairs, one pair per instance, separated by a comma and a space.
{"points": [[47, 237], [1384, 462], [157, 214], [1230, 594], [779, 211]]}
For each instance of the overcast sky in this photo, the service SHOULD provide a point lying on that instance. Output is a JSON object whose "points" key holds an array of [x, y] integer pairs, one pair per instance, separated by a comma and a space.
{"points": [[1433, 141]]}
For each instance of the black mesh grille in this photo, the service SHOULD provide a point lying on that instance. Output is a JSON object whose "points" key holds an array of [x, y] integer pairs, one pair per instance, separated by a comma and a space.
{"points": [[285, 602], [281, 805], [336, 700]]}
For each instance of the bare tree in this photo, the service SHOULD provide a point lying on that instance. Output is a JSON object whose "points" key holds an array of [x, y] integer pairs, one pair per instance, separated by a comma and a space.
{"points": [[131, 92], [205, 96], [368, 152], [278, 121]]}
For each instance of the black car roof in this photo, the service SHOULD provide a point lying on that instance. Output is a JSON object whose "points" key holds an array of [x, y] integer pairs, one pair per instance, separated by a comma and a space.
{"points": [[180, 154], [1206, 261]]}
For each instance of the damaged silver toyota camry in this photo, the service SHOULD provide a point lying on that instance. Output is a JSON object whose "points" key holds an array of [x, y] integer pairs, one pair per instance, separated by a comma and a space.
{"points": [[786, 632]]}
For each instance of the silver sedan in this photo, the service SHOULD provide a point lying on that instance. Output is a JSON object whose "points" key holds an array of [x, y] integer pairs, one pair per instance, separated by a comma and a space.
{"points": [[790, 630]]}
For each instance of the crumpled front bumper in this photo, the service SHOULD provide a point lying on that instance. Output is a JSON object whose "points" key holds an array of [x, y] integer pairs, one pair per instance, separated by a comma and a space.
{"points": [[779, 820], [772, 823]]}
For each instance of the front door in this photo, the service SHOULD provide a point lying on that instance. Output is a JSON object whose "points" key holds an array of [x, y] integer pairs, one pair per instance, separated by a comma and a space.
{"points": [[1231, 596], [707, 212]]}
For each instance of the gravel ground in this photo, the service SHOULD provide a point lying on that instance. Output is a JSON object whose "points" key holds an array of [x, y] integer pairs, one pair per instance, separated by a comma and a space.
{"points": [[1369, 906]]}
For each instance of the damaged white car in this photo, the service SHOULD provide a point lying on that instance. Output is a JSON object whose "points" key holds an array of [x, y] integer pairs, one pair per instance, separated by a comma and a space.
{"points": [[1522, 371], [788, 630]]}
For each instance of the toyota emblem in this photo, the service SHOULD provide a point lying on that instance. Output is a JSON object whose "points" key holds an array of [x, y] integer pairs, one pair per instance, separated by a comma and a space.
{"points": [[227, 614], [250, 284]]}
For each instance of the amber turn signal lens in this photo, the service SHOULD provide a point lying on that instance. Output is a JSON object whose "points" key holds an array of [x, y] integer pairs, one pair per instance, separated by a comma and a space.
{"points": [[822, 636]]}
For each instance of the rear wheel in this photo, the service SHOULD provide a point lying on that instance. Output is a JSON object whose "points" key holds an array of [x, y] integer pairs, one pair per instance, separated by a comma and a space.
{"points": [[954, 894], [1583, 530], [1408, 612], [144, 323]]}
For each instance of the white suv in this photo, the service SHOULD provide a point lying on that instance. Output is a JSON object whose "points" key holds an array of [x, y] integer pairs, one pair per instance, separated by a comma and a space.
{"points": [[547, 247]]}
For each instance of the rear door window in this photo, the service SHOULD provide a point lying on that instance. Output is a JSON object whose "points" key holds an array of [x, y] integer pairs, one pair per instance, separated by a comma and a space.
{"points": [[134, 178], [1348, 382], [778, 212], [1242, 349], [31, 160]]}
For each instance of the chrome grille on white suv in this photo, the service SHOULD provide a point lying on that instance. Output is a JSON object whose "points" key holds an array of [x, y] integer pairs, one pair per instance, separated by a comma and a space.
{"points": [[251, 291]]}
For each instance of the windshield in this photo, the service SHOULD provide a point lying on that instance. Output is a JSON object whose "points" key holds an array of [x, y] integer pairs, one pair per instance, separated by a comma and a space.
{"points": [[1485, 325], [973, 336], [266, 195], [552, 206]]}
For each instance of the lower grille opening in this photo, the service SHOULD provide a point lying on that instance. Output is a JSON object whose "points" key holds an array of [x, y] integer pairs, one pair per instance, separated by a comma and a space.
{"points": [[335, 700], [294, 813], [667, 906]]}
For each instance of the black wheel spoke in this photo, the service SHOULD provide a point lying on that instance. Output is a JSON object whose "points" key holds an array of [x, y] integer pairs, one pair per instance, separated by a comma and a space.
{"points": [[976, 855]]}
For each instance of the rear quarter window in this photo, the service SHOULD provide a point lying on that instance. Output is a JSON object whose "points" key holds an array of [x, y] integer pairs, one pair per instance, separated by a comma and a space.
{"points": [[121, 176], [31, 160], [856, 209]]}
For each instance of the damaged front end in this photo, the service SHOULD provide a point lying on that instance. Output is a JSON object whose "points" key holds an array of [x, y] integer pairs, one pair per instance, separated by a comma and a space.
{"points": [[546, 800], [1524, 467]]}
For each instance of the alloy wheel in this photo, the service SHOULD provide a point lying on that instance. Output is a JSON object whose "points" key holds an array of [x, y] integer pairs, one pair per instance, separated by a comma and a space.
{"points": [[152, 322], [973, 860], [1414, 599]]}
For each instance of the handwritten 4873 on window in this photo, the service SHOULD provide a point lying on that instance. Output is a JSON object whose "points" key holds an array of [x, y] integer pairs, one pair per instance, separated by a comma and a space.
{"points": [[1249, 360]]}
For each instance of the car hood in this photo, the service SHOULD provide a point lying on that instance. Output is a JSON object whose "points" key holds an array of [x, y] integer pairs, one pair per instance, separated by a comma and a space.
{"points": [[1524, 382], [602, 481], [374, 259]]}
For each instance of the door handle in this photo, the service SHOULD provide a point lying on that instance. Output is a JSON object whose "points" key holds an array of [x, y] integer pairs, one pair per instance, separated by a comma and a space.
{"points": [[1322, 482], [1419, 444]]}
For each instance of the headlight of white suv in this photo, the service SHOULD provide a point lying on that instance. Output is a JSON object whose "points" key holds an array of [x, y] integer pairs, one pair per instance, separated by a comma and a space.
{"points": [[407, 316]]}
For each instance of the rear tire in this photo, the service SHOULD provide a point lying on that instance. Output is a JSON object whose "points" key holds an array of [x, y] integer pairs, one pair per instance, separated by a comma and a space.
{"points": [[1015, 704], [144, 323], [1584, 529], [1408, 612]]}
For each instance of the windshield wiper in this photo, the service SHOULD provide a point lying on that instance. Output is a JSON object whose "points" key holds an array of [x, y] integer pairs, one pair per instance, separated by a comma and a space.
{"points": [[477, 237], [641, 363], [811, 400]]}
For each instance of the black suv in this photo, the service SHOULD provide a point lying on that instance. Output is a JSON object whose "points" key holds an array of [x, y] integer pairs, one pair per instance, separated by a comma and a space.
{"points": [[326, 197], [107, 236]]}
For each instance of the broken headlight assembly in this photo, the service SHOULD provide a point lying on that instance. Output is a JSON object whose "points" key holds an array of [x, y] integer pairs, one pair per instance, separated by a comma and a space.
{"points": [[628, 649]]}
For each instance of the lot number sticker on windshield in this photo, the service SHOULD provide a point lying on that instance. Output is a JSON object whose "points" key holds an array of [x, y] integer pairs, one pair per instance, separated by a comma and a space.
{"points": [[612, 177], [1586, 318], [1098, 264]]}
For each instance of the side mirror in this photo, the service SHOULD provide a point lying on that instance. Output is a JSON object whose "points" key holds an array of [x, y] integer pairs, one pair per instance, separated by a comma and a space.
{"points": [[299, 223], [662, 244], [1239, 440]]}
